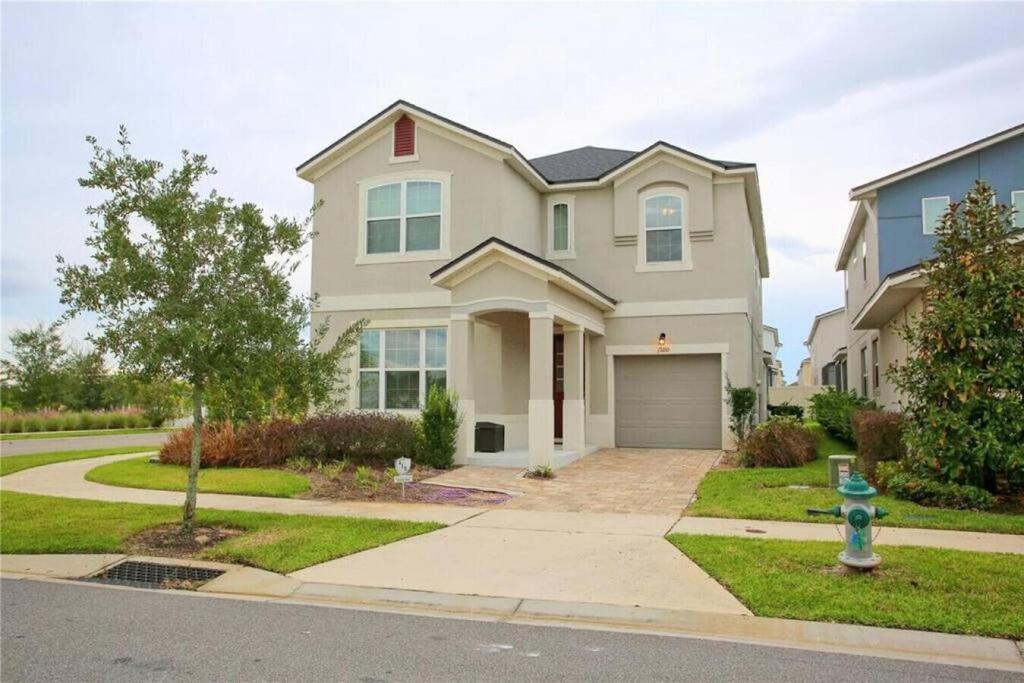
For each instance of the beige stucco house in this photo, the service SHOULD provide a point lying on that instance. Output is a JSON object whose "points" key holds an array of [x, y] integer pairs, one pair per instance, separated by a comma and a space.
{"points": [[827, 345], [591, 298]]}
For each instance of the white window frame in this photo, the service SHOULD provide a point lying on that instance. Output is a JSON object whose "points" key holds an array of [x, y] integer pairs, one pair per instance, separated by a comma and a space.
{"points": [[924, 214], [402, 256], [382, 370], [570, 253], [1017, 202], [642, 266]]}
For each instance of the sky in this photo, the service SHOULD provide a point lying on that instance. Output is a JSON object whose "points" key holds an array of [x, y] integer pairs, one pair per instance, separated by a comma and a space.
{"points": [[822, 97]]}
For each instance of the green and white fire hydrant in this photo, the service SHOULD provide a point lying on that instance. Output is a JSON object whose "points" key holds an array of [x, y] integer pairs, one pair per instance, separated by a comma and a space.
{"points": [[858, 512]]}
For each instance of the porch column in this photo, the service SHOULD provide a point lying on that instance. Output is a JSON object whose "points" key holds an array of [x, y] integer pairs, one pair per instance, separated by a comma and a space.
{"points": [[460, 377], [542, 406], [573, 408]]}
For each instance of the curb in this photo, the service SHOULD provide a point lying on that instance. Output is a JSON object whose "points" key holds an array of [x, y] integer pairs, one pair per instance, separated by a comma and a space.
{"points": [[246, 583]]}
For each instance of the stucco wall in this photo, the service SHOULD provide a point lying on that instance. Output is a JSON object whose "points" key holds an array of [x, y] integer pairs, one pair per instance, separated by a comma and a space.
{"points": [[829, 336]]}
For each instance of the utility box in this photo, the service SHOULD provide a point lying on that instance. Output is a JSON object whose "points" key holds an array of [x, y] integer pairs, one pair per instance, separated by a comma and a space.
{"points": [[489, 437], [840, 468]]}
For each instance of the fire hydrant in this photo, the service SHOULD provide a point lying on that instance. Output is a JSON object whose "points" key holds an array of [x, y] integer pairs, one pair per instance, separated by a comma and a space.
{"points": [[858, 512]]}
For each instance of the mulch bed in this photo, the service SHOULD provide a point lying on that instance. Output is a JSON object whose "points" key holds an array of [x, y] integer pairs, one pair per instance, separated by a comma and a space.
{"points": [[166, 540], [382, 488]]}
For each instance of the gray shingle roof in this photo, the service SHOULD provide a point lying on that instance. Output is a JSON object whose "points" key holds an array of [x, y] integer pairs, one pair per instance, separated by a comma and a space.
{"points": [[585, 163], [591, 163]]}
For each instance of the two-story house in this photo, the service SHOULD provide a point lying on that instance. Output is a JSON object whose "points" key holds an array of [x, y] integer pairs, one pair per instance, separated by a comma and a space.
{"points": [[827, 345], [774, 376], [591, 298], [892, 231]]}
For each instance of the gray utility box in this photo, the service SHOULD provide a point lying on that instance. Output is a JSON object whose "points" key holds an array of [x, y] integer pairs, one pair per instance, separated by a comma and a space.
{"points": [[840, 468], [489, 437]]}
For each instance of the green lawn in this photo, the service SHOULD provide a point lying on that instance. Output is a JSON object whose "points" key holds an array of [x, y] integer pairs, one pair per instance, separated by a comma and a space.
{"points": [[916, 588], [245, 481], [742, 494], [9, 464], [281, 543], [81, 432]]}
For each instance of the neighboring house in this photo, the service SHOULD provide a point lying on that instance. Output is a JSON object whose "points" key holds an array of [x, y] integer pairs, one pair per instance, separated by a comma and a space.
{"points": [[773, 364], [590, 298], [804, 376], [827, 346], [892, 231]]}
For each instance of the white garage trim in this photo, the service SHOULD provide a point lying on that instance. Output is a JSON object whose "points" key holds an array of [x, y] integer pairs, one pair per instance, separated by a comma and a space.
{"points": [[677, 349]]}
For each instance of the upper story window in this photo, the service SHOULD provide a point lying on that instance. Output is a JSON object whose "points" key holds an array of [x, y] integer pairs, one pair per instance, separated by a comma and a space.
{"points": [[1017, 202], [932, 211], [404, 218], [664, 239], [561, 232]]}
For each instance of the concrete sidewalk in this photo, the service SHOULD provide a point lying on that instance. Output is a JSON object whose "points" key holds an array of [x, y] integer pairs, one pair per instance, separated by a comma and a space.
{"points": [[886, 535], [67, 479], [582, 557], [254, 584]]}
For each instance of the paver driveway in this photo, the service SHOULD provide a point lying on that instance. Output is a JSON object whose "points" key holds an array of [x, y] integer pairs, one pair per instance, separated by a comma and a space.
{"points": [[625, 480]]}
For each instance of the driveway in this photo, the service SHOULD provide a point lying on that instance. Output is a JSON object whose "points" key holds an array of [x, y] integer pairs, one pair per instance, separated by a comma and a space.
{"points": [[620, 480], [81, 443]]}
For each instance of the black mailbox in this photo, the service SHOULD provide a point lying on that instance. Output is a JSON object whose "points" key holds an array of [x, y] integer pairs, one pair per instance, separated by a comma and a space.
{"points": [[490, 437]]}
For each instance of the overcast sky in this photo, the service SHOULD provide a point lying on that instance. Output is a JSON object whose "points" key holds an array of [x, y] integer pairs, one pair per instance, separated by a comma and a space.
{"points": [[821, 97]]}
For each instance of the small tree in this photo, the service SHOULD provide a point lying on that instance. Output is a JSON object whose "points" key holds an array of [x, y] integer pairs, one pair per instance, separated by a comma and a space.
{"points": [[742, 402], [963, 385], [440, 424], [185, 285], [33, 375], [85, 379]]}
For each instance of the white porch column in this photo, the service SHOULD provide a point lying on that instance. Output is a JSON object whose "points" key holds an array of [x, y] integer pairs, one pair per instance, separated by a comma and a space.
{"points": [[573, 408], [460, 377], [542, 406]]}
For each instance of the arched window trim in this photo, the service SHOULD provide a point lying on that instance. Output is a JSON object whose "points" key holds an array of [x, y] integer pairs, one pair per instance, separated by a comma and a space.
{"points": [[686, 262]]}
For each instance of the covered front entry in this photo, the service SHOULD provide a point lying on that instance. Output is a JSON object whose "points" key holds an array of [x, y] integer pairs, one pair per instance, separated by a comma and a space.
{"points": [[668, 401], [518, 335]]}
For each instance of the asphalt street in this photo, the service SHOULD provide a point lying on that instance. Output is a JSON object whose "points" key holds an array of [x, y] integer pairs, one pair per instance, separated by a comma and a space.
{"points": [[75, 443], [71, 632]]}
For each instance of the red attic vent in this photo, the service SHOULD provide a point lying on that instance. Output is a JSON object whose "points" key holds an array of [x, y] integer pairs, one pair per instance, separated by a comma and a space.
{"points": [[405, 136]]}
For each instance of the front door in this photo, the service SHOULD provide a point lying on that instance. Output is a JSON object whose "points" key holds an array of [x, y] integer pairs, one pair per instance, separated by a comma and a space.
{"points": [[558, 390]]}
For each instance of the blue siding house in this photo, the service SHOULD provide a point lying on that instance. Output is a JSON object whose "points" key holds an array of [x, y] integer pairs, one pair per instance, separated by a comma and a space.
{"points": [[892, 231], [903, 238]]}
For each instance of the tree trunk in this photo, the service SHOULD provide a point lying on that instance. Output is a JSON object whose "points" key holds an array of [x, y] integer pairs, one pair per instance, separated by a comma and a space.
{"points": [[189, 512]]}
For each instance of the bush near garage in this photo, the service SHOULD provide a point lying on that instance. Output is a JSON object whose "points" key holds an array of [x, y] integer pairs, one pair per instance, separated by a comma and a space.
{"points": [[879, 438], [373, 438], [834, 410], [786, 409], [779, 442]]}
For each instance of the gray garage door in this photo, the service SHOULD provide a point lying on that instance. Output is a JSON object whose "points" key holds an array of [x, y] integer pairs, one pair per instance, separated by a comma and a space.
{"points": [[668, 401]]}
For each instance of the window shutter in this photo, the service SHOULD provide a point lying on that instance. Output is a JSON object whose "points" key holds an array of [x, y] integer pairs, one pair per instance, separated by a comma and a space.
{"points": [[405, 136]]}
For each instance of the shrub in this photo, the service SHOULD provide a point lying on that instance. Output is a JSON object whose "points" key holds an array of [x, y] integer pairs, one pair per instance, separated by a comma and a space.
{"points": [[219, 446], [541, 472], [742, 402], [834, 409], [440, 428], [52, 423], [13, 424], [365, 478], [879, 437], [115, 421], [779, 442], [332, 470], [33, 423], [901, 481], [786, 409], [299, 463], [360, 437]]}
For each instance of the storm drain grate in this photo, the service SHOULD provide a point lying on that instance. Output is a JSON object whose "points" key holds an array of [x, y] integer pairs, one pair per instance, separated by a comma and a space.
{"points": [[154, 575]]}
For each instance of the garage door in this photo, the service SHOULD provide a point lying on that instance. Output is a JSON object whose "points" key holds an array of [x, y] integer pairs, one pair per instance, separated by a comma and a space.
{"points": [[668, 401]]}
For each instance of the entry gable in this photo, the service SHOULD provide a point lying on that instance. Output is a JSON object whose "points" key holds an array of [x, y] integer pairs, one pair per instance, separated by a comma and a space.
{"points": [[497, 251]]}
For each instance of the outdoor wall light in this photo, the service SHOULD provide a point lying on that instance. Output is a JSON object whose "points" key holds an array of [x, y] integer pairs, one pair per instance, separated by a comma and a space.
{"points": [[662, 339]]}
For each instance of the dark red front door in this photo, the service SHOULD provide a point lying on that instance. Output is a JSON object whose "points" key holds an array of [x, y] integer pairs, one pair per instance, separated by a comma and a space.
{"points": [[558, 390]]}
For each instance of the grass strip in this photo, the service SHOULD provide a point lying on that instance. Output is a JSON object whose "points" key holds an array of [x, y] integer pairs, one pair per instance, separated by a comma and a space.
{"points": [[931, 589]]}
